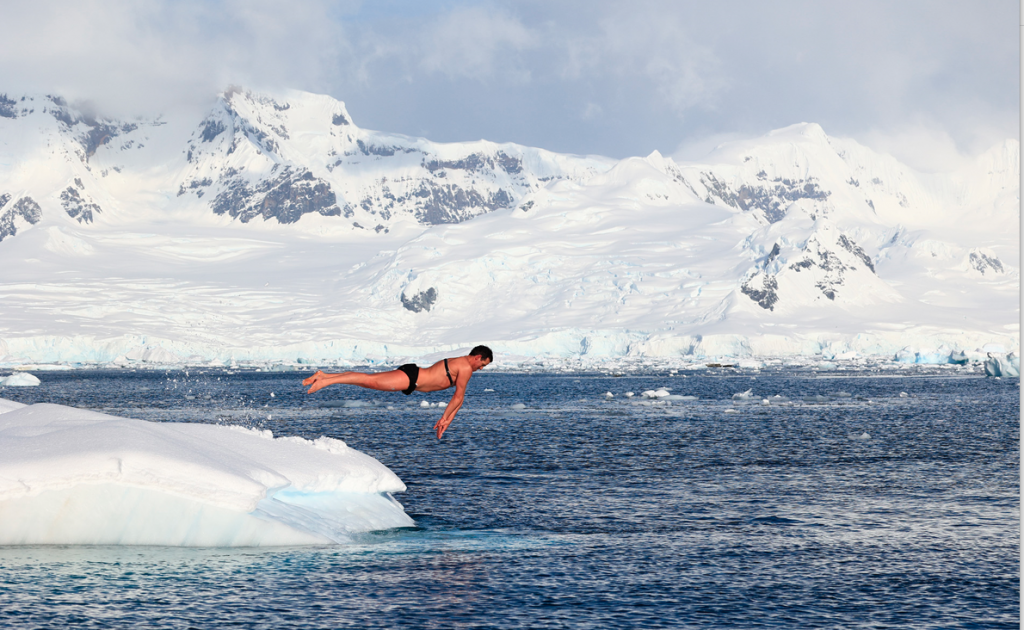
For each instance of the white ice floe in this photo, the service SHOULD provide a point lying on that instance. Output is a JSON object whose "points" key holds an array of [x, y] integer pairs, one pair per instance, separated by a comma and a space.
{"points": [[519, 406], [19, 379], [659, 393], [70, 476], [747, 395]]}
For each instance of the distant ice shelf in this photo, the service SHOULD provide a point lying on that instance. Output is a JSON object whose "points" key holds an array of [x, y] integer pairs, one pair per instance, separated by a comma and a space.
{"points": [[70, 476]]}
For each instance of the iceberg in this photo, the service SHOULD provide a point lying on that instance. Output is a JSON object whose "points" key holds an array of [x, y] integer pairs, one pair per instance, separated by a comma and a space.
{"points": [[21, 379], [1002, 364], [71, 476]]}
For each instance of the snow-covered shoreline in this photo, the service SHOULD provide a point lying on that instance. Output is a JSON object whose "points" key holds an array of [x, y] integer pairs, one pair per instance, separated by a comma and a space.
{"points": [[561, 350]]}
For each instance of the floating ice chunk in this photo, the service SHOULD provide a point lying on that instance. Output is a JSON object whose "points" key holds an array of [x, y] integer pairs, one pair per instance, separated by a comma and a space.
{"points": [[765, 401], [609, 395], [750, 364], [660, 393], [424, 404], [629, 394], [747, 395], [904, 395], [69, 476], [19, 379], [731, 411], [1002, 365], [862, 436], [488, 389], [678, 397], [519, 406]]}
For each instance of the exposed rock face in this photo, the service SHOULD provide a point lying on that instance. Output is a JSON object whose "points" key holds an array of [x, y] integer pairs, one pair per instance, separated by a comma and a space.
{"points": [[286, 197], [770, 199], [94, 132], [983, 263], [8, 107], [766, 295], [855, 249], [254, 157], [452, 204], [825, 263], [25, 208], [78, 206], [421, 301]]}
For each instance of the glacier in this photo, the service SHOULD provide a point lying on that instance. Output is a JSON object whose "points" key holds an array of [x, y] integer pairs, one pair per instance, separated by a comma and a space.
{"points": [[72, 476], [276, 231]]}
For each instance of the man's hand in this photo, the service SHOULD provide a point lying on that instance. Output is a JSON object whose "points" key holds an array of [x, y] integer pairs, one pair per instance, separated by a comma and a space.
{"points": [[441, 425], [316, 382]]}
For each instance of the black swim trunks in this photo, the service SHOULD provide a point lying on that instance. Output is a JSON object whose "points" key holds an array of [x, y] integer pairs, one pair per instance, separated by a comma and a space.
{"points": [[413, 372]]}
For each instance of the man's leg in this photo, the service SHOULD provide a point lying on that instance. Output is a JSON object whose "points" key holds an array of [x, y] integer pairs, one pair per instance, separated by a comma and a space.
{"points": [[393, 381]]}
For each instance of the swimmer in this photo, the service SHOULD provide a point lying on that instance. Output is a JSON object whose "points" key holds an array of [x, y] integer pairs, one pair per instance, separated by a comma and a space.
{"points": [[409, 378]]}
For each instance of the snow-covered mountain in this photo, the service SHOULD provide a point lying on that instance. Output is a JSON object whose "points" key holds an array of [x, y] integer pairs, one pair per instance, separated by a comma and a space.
{"points": [[276, 229]]}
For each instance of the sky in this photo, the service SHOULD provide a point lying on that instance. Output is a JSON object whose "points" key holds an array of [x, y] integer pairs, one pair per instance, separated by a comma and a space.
{"points": [[931, 82]]}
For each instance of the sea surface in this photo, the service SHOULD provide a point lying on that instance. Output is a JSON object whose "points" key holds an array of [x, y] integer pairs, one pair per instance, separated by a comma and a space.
{"points": [[848, 500]]}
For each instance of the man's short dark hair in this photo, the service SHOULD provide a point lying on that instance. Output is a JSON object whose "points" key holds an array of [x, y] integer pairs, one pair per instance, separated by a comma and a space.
{"points": [[483, 352]]}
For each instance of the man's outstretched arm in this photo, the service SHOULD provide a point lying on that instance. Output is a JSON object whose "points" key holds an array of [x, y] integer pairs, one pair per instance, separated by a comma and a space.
{"points": [[454, 404]]}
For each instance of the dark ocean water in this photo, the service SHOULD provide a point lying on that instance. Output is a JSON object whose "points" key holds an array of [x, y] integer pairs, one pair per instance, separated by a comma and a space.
{"points": [[843, 504]]}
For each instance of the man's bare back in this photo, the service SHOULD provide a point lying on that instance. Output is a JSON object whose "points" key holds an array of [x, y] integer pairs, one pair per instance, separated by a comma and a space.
{"points": [[408, 378]]}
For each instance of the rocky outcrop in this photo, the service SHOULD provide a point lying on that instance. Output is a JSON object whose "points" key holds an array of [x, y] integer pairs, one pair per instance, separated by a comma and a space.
{"points": [[421, 301], [770, 198], [77, 205], [24, 208], [286, 197]]}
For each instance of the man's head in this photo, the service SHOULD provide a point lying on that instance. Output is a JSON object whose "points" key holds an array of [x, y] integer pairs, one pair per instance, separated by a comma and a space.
{"points": [[480, 356]]}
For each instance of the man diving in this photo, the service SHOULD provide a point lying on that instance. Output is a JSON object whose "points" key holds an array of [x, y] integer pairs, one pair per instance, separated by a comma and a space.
{"points": [[409, 378]]}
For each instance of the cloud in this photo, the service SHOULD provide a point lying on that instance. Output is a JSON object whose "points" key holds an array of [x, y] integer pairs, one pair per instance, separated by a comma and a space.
{"points": [[656, 48], [475, 43], [696, 148], [595, 76], [925, 148], [149, 56]]}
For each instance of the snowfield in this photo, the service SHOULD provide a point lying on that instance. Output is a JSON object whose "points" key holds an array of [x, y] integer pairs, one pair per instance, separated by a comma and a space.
{"points": [[277, 231]]}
